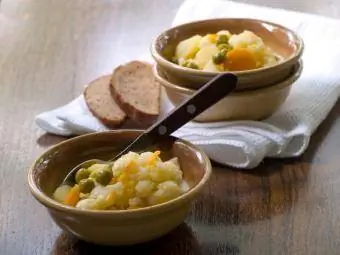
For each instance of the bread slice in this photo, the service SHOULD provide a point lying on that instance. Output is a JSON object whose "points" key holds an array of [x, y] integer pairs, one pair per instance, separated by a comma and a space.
{"points": [[101, 104], [136, 91]]}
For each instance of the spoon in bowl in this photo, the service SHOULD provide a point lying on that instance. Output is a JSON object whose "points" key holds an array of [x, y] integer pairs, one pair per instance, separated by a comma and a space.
{"points": [[202, 99]]}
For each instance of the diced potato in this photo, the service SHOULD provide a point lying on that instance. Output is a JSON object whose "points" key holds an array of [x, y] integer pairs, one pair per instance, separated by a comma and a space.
{"points": [[258, 51], [204, 55], [211, 67], [188, 48], [89, 203], [207, 40], [244, 39], [61, 193]]}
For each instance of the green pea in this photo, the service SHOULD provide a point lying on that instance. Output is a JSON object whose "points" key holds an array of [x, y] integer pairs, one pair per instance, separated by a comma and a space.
{"points": [[185, 63], [102, 176], [86, 185], [174, 60], [81, 174], [222, 39], [224, 46], [192, 65], [224, 52], [219, 58]]}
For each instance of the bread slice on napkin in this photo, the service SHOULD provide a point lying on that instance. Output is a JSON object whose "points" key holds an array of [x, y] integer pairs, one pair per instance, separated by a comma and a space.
{"points": [[101, 104], [136, 91]]}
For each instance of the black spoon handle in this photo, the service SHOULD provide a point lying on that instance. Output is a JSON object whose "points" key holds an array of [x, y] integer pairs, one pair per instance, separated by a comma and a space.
{"points": [[205, 97]]}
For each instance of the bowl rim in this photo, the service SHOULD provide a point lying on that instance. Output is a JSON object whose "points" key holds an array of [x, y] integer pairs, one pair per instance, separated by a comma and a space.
{"points": [[50, 203], [236, 94], [163, 61]]}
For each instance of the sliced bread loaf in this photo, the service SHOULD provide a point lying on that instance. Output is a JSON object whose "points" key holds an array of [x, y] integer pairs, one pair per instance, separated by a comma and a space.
{"points": [[136, 91], [100, 102]]}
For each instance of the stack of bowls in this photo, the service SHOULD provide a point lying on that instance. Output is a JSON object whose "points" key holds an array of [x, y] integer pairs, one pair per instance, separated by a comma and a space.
{"points": [[259, 92]]}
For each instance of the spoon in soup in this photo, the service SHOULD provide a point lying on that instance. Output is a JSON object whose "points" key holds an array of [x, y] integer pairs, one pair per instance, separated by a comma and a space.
{"points": [[208, 95]]}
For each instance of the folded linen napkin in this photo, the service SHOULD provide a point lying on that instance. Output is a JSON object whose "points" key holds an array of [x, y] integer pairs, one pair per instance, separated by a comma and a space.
{"points": [[244, 144]]}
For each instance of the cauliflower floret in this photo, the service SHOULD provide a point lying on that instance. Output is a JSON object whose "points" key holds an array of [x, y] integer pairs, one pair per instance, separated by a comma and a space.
{"points": [[144, 158], [104, 191], [123, 162], [144, 173], [144, 188], [165, 191], [147, 158], [166, 171], [135, 202]]}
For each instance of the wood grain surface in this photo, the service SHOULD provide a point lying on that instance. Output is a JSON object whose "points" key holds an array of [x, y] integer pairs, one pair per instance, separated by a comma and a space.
{"points": [[50, 48]]}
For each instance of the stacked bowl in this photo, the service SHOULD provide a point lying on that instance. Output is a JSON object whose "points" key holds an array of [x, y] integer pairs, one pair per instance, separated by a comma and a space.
{"points": [[260, 91]]}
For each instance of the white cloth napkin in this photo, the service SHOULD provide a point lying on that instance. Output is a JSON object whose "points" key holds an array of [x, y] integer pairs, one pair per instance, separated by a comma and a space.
{"points": [[244, 144]]}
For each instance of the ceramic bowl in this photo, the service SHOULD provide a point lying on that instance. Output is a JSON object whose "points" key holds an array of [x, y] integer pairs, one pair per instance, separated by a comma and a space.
{"points": [[283, 41], [123, 227], [247, 105]]}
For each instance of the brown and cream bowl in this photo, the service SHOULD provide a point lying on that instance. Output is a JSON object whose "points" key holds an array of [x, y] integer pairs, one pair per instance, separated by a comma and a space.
{"points": [[239, 105], [286, 45], [116, 227]]}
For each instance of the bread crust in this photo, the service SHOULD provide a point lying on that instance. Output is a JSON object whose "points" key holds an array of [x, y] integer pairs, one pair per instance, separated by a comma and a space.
{"points": [[106, 120], [137, 115]]}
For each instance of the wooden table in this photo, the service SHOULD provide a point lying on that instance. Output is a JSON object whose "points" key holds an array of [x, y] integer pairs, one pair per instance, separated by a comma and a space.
{"points": [[50, 48]]}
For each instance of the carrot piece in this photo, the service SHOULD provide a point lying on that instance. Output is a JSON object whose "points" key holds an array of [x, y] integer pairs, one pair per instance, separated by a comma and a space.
{"points": [[240, 59], [153, 157], [73, 196]]}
